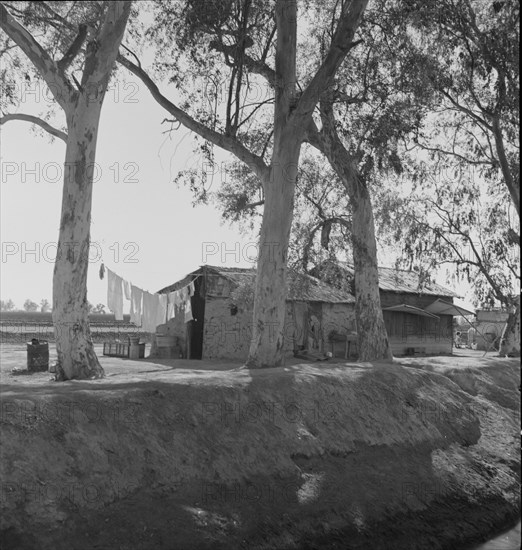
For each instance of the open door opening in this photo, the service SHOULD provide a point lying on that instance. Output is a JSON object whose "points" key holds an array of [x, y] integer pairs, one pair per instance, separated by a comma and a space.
{"points": [[196, 326]]}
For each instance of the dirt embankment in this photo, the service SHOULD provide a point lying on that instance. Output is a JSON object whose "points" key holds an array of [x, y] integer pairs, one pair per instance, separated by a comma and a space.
{"points": [[347, 456]]}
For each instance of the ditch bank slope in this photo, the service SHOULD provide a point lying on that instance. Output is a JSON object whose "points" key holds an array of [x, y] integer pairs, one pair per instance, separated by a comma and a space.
{"points": [[347, 456]]}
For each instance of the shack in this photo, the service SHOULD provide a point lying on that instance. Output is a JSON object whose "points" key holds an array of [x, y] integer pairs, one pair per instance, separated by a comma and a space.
{"points": [[320, 318], [489, 327], [418, 314]]}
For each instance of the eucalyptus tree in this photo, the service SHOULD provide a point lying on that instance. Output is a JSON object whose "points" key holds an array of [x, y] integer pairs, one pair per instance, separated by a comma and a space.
{"points": [[471, 51], [465, 158], [448, 218], [373, 103], [375, 100], [72, 48], [205, 35], [322, 226]]}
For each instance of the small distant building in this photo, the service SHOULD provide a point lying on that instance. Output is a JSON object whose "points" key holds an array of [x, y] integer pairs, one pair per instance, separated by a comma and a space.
{"points": [[319, 316], [418, 314], [489, 328]]}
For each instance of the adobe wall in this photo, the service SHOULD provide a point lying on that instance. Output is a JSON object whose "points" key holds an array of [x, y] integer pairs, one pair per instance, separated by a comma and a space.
{"points": [[174, 343], [485, 316], [228, 336]]}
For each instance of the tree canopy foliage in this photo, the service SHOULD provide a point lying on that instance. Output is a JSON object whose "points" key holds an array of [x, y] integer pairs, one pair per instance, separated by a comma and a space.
{"points": [[458, 199]]}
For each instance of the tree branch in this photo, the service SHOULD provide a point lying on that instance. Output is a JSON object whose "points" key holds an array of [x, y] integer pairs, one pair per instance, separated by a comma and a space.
{"points": [[35, 120], [102, 52], [453, 154], [514, 189], [256, 66], [479, 263], [56, 15], [328, 142], [74, 48], [285, 65], [342, 43], [46, 66], [227, 143], [469, 112]]}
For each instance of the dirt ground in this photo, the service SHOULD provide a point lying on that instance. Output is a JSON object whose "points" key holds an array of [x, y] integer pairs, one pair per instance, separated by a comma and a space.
{"points": [[14, 356], [179, 454]]}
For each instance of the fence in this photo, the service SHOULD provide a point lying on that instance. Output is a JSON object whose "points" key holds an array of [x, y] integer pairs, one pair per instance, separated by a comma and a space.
{"points": [[22, 331]]}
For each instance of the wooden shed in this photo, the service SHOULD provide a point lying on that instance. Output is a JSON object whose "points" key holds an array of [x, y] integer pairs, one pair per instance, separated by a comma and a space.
{"points": [[418, 314], [319, 316]]}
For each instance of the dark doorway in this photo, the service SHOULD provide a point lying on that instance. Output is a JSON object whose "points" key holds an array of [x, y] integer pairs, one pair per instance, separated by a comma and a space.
{"points": [[195, 327]]}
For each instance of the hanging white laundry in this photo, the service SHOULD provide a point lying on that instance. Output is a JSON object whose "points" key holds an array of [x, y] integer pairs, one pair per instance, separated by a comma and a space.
{"points": [[136, 299], [191, 288], [188, 307], [171, 307], [178, 300], [127, 290], [115, 294], [150, 311], [161, 313], [188, 312]]}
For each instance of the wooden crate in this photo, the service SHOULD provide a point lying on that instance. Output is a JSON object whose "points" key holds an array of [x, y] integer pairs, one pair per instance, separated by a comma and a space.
{"points": [[116, 349]]}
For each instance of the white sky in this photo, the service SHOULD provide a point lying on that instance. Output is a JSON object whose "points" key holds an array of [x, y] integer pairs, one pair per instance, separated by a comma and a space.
{"points": [[143, 226]]}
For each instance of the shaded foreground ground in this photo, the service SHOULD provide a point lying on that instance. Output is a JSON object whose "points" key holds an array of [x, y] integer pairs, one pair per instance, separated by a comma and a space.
{"points": [[421, 453]]}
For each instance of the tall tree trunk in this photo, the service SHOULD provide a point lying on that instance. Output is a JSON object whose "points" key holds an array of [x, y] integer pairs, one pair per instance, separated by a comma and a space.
{"points": [[82, 104], [291, 116], [267, 345], [372, 337], [512, 184], [510, 343], [76, 356]]}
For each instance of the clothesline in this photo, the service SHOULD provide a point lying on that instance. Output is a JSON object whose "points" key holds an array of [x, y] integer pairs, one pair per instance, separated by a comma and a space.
{"points": [[147, 310]]}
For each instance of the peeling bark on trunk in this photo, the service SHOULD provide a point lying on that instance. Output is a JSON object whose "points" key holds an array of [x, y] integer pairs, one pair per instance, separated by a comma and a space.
{"points": [[267, 346], [510, 343], [512, 184], [76, 356], [82, 104], [372, 338]]}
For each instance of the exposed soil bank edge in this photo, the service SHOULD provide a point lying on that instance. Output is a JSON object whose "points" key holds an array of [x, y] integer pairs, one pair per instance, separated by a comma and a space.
{"points": [[497, 533], [349, 457]]}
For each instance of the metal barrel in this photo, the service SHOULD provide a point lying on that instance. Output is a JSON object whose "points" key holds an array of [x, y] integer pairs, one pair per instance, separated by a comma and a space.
{"points": [[37, 355]]}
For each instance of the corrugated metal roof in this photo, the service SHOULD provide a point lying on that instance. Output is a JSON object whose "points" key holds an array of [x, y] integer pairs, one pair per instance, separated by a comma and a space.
{"points": [[300, 287], [403, 281]]}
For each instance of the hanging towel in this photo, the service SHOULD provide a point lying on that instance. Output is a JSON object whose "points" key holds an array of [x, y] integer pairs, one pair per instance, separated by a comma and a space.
{"points": [[178, 301], [191, 289], [187, 304], [162, 309], [171, 307], [150, 311], [184, 294], [127, 290], [135, 311], [188, 312], [115, 294]]}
